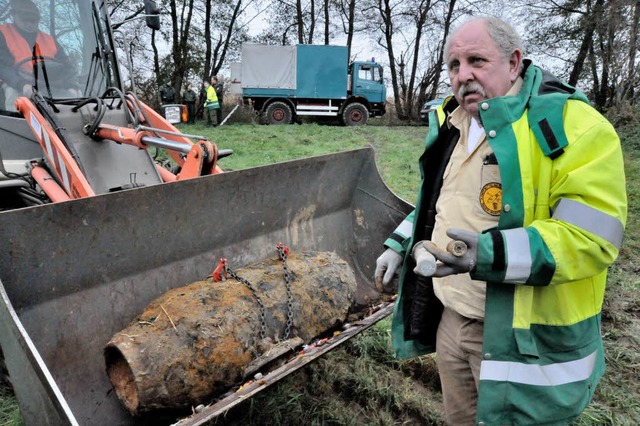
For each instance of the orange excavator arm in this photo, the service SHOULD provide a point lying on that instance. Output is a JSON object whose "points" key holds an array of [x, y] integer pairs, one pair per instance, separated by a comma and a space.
{"points": [[195, 159], [201, 158], [74, 182], [156, 121]]}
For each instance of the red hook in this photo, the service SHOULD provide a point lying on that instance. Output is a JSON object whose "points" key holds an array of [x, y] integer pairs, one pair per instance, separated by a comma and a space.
{"points": [[282, 249], [220, 273]]}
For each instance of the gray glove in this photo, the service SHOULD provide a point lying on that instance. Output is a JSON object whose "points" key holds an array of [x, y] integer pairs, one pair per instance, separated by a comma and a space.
{"points": [[386, 266], [452, 263]]}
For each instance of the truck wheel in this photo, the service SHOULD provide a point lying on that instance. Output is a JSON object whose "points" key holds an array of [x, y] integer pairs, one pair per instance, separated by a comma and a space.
{"points": [[278, 113], [355, 114]]}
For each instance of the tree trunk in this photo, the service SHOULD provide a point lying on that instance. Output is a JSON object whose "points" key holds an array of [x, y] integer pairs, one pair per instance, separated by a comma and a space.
{"points": [[384, 9], [326, 21], [595, 88], [628, 92], [605, 35], [420, 20], [207, 40], [312, 22], [221, 53], [439, 65], [300, 22], [156, 63], [350, 17], [591, 18]]}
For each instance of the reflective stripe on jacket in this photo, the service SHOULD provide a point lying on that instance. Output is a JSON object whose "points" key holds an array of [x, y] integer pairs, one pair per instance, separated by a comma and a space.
{"points": [[20, 49], [563, 213]]}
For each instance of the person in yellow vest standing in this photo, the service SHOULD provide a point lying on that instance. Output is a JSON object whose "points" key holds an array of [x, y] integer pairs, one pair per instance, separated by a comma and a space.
{"points": [[520, 168], [211, 104], [22, 47]]}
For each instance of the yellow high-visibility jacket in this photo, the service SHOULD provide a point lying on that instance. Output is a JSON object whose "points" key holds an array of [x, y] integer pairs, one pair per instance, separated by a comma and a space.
{"points": [[562, 219], [212, 99]]}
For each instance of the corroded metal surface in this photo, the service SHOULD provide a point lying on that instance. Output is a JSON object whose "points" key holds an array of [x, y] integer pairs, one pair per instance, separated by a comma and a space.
{"points": [[194, 341]]}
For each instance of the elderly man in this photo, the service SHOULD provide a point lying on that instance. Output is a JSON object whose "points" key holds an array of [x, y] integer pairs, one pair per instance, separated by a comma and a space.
{"points": [[22, 47], [522, 169]]}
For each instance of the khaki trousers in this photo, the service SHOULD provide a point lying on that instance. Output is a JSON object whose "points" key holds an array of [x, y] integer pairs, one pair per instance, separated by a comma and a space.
{"points": [[458, 356]]}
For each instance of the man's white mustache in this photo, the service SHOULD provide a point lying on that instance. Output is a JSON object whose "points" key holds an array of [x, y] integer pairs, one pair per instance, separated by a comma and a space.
{"points": [[473, 87]]}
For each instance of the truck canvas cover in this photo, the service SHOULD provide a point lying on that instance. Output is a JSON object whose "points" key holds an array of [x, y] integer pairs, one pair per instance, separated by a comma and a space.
{"points": [[302, 71], [268, 67]]}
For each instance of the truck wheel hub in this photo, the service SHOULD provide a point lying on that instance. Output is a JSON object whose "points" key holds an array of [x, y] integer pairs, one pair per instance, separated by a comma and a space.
{"points": [[278, 114]]}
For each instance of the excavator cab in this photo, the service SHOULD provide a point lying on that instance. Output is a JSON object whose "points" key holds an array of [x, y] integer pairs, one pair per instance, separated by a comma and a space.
{"points": [[65, 62], [53, 49], [68, 129]]}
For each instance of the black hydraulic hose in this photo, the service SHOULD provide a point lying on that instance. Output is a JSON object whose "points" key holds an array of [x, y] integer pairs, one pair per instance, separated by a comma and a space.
{"points": [[5, 172], [100, 108], [136, 108], [41, 105], [123, 101], [136, 102], [106, 51], [34, 192], [35, 201], [145, 119], [36, 59], [85, 102], [14, 183]]}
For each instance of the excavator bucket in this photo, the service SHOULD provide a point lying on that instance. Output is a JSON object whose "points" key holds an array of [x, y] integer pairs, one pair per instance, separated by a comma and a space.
{"points": [[74, 273]]}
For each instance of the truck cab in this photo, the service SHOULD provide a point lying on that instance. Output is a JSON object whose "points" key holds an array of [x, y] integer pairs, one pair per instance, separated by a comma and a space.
{"points": [[367, 82]]}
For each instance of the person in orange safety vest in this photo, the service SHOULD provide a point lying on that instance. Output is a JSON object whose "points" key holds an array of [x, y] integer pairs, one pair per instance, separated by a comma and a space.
{"points": [[22, 47]]}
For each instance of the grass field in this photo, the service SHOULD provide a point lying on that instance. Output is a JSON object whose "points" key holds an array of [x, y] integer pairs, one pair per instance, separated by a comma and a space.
{"points": [[360, 383]]}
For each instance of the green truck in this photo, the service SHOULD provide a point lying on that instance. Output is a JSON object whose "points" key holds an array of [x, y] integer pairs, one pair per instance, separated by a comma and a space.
{"points": [[284, 83]]}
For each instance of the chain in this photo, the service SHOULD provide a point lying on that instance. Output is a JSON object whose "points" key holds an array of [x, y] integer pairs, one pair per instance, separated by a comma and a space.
{"points": [[283, 252], [263, 321]]}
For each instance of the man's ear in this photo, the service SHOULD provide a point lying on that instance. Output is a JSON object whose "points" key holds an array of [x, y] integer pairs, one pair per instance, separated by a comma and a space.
{"points": [[514, 64]]}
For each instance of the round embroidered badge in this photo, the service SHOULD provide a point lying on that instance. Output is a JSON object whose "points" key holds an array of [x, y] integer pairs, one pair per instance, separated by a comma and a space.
{"points": [[491, 198]]}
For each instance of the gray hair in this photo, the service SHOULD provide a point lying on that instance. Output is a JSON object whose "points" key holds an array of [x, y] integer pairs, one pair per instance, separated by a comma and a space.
{"points": [[505, 36]]}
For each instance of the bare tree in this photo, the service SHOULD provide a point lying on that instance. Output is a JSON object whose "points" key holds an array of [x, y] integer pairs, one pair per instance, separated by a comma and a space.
{"points": [[347, 12], [629, 86], [419, 18], [593, 41], [430, 81], [299, 21], [590, 43], [181, 14], [590, 21], [382, 15], [207, 40], [325, 10], [401, 28]]}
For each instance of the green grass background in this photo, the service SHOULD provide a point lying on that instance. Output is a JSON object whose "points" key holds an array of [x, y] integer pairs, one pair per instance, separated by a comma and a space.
{"points": [[360, 383]]}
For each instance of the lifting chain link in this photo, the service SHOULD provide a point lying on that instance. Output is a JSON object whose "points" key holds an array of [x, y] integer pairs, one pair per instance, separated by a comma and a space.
{"points": [[283, 252], [222, 270], [263, 321]]}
